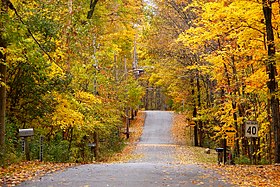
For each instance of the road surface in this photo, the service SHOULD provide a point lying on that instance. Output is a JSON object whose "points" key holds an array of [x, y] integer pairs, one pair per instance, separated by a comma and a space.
{"points": [[156, 167]]}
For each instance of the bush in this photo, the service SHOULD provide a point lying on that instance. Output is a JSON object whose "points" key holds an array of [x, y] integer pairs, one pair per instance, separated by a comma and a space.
{"points": [[242, 160], [57, 151], [264, 161]]}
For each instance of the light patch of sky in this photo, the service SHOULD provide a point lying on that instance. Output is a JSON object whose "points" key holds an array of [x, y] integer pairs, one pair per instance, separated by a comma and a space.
{"points": [[150, 4]]}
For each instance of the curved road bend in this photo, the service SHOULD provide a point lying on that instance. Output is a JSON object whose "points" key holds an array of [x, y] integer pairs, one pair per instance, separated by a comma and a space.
{"points": [[156, 167]]}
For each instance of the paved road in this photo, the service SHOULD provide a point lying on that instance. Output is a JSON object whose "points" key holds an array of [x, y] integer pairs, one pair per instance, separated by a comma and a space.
{"points": [[156, 167]]}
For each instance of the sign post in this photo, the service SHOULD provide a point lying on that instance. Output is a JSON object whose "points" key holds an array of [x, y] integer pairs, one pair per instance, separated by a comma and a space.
{"points": [[251, 131], [192, 124]]}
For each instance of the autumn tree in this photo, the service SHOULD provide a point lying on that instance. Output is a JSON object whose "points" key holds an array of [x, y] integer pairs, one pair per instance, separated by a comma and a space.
{"points": [[3, 73], [65, 73], [217, 50], [272, 73], [176, 67]]}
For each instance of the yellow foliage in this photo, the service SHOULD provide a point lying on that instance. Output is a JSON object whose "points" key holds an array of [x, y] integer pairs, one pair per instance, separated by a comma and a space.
{"points": [[67, 118], [54, 70], [87, 98], [257, 82], [66, 115]]}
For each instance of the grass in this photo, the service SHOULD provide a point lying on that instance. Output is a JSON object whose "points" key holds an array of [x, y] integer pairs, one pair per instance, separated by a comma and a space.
{"points": [[239, 175], [186, 153], [191, 155]]}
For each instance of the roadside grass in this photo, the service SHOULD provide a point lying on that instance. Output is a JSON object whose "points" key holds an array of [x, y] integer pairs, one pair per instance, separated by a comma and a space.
{"points": [[186, 153], [195, 155], [238, 175]]}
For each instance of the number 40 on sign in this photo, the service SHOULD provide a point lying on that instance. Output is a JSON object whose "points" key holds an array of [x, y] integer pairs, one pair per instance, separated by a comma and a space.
{"points": [[251, 129]]}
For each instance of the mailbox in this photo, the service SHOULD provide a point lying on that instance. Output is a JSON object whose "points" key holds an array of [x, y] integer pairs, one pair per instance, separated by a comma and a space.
{"points": [[26, 132], [219, 150], [92, 145], [220, 155]]}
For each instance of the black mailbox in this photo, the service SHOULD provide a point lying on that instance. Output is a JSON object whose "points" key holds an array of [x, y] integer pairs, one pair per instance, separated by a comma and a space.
{"points": [[219, 150]]}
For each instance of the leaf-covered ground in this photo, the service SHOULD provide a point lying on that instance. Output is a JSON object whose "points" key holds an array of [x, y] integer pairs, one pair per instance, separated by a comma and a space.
{"points": [[20, 172], [251, 175], [136, 130], [239, 175], [17, 173]]}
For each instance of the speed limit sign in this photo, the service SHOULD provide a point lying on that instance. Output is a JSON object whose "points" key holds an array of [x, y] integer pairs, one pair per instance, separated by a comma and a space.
{"points": [[251, 129]]}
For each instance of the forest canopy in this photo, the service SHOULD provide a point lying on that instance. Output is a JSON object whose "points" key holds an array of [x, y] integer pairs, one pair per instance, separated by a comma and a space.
{"points": [[71, 70]]}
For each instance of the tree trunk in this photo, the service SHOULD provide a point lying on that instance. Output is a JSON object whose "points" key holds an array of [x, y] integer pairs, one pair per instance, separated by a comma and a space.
{"points": [[3, 75], [96, 141], [272, 72], [92, 7], [199, 122], [194, 115], [234, 106], [3, 70]]}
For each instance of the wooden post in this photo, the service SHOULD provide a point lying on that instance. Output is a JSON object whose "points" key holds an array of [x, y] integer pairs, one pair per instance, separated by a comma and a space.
{"points": [[127, 122], [41, 148], [96, 148], [26, 148], [225, 150]]}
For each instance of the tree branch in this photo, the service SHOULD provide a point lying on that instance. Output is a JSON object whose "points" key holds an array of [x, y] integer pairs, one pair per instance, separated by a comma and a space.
{"points": [[92, 7], [11, 6]]}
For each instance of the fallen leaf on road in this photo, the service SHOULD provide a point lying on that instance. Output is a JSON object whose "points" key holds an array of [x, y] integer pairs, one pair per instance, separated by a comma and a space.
{"points": [[23, 171]]}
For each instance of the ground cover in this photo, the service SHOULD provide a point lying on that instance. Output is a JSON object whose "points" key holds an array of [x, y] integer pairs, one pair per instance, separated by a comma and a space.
{"points": [[239, 175], [14, 174]]}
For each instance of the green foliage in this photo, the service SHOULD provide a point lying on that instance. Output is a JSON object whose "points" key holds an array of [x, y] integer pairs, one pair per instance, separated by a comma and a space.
{"points": [[264, 162], [243, 159], [63, 79], [57, 151]]}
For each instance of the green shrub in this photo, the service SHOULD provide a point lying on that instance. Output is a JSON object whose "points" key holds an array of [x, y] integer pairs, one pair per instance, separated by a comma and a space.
{"points": [[264, 161], [57, 151], [242, 160]]}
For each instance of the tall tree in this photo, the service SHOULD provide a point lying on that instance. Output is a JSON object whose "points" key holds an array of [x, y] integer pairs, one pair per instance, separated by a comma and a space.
{"points": [[3, 72], [272, 73]]}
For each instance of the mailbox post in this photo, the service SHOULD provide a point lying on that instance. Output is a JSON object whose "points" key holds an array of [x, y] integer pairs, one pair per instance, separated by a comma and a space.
{"points": [[25, 133], [92, 149], [220, 155]]}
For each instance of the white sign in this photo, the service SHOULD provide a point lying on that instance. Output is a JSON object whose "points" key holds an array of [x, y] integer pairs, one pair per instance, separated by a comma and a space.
{"points": [[251, 129]]}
